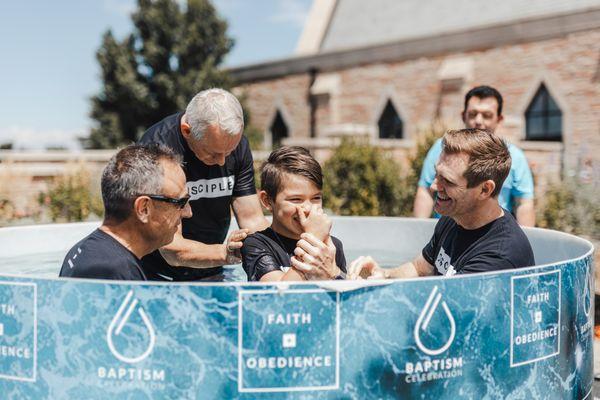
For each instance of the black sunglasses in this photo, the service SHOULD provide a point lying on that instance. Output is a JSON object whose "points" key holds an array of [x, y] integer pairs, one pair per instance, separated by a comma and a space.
{"points": [[180, 202]]}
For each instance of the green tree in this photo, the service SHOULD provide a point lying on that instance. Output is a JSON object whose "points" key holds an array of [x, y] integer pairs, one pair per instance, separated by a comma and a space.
{"points": [[173, 53]]}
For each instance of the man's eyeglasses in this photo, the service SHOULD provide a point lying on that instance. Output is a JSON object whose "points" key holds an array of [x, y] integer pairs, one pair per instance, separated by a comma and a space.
{"points": [[180, 202]]}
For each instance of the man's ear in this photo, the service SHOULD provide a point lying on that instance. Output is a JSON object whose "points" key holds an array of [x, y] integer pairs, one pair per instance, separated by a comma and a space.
{"points": [[186, 129], [463, 115], [487, 188], [500, 118], [142, 209], [265, 200]]}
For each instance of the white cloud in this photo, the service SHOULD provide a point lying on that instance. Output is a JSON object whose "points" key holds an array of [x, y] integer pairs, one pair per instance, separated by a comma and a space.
{"points": [[291, 11], [27, 138]]}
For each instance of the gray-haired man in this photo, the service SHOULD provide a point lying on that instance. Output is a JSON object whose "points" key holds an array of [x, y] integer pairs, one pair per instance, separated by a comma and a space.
{"points": [[220, 176], [145, 197]]}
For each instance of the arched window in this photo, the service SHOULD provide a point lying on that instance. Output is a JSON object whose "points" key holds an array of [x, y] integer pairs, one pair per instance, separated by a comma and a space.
{"points": [[390, 123], [543, 118], [279, 130]]}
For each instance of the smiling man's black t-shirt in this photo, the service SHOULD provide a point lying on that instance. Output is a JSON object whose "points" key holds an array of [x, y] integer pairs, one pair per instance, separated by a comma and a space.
{"points": [[212, 189], [500, 244]]}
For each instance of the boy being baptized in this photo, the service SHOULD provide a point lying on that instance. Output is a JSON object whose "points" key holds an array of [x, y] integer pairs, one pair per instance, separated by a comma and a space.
{"points": [[291, 188]]}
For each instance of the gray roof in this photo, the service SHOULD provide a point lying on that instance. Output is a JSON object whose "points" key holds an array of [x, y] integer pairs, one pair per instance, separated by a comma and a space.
{"points": [[360, 23]]}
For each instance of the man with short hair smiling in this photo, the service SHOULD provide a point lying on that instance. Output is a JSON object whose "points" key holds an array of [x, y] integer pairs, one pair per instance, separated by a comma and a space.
{"points": [[145, 197], [474, 234], [483, 110], [220, 176]]}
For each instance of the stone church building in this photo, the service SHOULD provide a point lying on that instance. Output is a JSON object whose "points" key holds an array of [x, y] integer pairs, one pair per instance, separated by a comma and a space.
{"points": [[386, 69]]}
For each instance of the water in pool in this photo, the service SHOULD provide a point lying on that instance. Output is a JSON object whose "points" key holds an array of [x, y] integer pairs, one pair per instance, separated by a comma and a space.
{"points": [[47, 265]]}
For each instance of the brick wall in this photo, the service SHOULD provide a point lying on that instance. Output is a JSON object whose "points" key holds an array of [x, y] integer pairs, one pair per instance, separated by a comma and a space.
{"points": [[569, 66], [289, 95]]}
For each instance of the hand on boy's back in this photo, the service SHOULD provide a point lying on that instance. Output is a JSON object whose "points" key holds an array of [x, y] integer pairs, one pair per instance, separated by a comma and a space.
{"points": [[316, 222], [233, 245]]}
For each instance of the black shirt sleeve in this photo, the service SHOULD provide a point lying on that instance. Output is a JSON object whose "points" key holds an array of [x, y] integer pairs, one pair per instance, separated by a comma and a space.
{"points": [[244, 179], [257, 258], [486, 262], [430, 250], [340, 258]]}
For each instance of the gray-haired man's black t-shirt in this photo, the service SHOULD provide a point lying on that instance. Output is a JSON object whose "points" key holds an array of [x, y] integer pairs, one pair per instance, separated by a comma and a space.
{"points": [[500, 244], [212, 189], [100, 256]]}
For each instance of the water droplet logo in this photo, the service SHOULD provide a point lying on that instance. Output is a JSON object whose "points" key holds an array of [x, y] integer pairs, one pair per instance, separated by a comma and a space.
{"points": [[119, 321], [423, 322]]}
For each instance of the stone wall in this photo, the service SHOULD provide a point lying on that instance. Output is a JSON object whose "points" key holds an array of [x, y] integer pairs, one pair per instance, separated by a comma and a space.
{"points": [[23, 175]]}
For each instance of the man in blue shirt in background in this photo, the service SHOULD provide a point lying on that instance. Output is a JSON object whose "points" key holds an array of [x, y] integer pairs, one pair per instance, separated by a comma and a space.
{"points": [[483, 110]]}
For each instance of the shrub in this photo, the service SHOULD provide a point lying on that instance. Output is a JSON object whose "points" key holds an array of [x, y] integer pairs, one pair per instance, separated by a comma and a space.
{"points": [[363, 180], [70, 199], [7, 211], [255, 137], [427, 137], [571, 207], [360, 179]]}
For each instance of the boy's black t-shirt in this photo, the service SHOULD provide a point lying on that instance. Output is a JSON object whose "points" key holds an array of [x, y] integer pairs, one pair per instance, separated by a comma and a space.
{"points": [[267, 251], [501, 244], [100, 256], [212, 189]]}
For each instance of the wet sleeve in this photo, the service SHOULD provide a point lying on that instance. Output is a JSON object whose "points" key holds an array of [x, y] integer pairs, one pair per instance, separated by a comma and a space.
{"points": [[257, 259], [486, 262], [101, 271], [523, 179], [244, 179], [428, 170], [340, 258]]}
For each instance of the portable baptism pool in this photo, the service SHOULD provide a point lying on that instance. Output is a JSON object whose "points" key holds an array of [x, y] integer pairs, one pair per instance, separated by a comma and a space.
{"points": [[520, 334]]}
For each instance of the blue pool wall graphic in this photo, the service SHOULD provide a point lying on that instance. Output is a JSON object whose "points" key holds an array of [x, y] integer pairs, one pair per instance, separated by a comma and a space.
{"points": [[519, 334]]}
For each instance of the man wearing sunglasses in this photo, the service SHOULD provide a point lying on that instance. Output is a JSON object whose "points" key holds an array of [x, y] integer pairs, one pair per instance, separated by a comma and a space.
{"points": [[220, 178], [145, 198]]}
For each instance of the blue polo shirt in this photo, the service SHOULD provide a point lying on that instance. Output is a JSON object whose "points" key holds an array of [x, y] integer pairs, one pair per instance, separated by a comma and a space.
{"points": [[518, 183]]}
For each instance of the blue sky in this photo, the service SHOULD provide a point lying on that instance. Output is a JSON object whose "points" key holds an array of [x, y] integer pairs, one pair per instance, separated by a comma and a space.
{"points": [[48, 69]]}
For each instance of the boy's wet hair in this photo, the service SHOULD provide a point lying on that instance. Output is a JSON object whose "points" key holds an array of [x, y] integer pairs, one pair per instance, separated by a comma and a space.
{"points": [[294, 160]]}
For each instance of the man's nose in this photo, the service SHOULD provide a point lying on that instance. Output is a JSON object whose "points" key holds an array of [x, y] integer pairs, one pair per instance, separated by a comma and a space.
{"points": [[220, 159], [479, 120], [187, 211], [434, 186]]}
